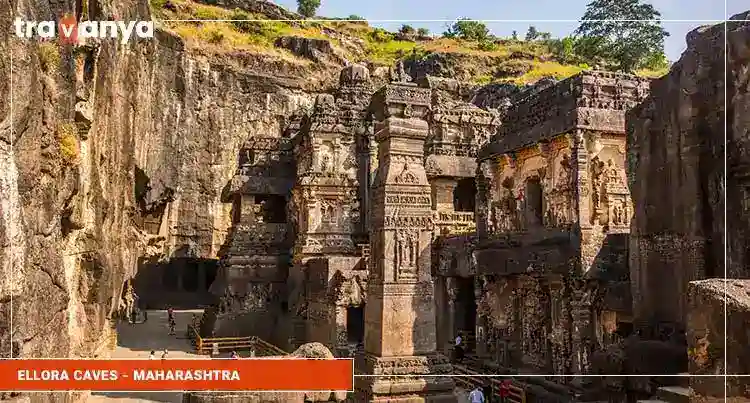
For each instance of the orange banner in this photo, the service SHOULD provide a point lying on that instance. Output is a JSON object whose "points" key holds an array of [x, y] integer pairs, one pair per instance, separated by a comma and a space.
{"points": [[177, 375]]}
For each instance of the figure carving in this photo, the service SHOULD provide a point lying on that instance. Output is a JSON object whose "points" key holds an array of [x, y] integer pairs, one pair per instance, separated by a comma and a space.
{"points": [[407, 177], [407, 253]]}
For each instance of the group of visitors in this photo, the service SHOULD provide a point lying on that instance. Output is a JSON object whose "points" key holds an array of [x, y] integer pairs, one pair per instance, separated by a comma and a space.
{"points": [[164, 355]]}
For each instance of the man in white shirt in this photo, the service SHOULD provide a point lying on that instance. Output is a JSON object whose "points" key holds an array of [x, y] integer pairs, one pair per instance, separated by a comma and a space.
{"points": [[476, 396]]}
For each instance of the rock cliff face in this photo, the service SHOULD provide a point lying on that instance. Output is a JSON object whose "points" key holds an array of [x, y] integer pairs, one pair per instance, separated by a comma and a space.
{"points": [[676, 170], [103, 138]]}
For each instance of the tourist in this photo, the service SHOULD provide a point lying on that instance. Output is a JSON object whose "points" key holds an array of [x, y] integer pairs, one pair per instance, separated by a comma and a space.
{"points": [[235, 355], [152, 356], [170, 314], [145, 316], [458, 349], [476, 395], [165, 354]]}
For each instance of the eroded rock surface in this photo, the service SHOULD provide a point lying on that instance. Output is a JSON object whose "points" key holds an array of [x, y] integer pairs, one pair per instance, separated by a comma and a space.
{"points": [[712, 339]]}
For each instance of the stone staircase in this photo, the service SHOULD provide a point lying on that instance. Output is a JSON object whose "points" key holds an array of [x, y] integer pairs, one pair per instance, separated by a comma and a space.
{"points": [[680, 393]]}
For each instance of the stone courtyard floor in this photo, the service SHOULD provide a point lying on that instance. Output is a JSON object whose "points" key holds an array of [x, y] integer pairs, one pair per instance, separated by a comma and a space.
{"points": [[139, 339]]}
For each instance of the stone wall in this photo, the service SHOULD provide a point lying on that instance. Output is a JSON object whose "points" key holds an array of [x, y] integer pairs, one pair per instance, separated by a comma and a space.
{"points": [[675, 170], [160, 127]]}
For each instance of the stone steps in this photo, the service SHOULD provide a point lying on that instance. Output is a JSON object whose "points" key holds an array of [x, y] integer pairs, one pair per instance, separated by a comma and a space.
{"points": [[674, 394]]}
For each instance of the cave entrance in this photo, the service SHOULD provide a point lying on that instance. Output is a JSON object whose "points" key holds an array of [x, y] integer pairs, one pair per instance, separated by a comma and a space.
{"points": [[466, 311], [182, 283], [355, 324], [464, 195]]}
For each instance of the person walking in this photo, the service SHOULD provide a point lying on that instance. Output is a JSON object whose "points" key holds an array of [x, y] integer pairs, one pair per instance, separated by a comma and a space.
{"points": [[458, 349], [476, 395]]}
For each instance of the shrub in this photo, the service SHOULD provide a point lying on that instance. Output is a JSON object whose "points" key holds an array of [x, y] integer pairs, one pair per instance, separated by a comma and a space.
{"points": [[381, 35], [208, 13], [241, 21], [487, 46], [67, 137], [49, 56], [214, 36]]}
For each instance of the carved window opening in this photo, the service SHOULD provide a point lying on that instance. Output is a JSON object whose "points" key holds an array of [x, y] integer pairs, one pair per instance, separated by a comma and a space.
{"points": [[272, 208], [464, 195], [534, 201], [355, 324], [247, 157]]}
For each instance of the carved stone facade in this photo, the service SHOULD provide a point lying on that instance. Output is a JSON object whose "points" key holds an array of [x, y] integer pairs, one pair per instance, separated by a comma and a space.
{"points": [[252, 273], [400, 311], [553, 212], [437, 232]]}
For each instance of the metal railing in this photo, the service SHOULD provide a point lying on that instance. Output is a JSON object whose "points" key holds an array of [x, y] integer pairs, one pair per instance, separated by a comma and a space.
{"points": [[507, 388], [257, 346]]}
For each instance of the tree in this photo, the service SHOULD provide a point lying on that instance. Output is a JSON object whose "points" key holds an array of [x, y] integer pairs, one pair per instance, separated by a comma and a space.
{"points": [[406, 30], [514, 35], [423, 32], [468, 29], [308, 7], [532, 34], [624, 32]]}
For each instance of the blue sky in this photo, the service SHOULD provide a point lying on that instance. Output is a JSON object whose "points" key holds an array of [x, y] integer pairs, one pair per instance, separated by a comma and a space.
{"points": [[685, 15]]}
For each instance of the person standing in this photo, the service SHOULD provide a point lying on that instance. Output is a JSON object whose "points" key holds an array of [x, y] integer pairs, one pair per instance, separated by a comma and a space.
{"points": [[152, 356], [235, 355], [165, 354], [476, 395]]}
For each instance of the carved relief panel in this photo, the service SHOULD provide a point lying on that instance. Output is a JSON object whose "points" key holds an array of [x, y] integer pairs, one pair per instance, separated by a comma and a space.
{"points": [[406, 255], [609, 198]]}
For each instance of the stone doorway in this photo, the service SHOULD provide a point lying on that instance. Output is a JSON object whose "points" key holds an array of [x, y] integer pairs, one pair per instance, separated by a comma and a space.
{"points": [[464, 195], [355, 325], [466, 311]]}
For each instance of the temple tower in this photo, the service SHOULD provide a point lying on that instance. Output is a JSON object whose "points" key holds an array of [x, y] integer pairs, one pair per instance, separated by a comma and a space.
{"points": [[400, 309]]}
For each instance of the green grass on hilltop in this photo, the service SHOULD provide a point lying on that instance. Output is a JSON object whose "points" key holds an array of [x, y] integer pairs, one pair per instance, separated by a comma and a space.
{"points": [[504, 60]]}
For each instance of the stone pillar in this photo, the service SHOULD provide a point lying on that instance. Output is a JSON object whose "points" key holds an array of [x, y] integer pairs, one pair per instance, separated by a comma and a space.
{"points": [[483, 198], [400, 311], [452, 291], [341, 343], [481, 328]]}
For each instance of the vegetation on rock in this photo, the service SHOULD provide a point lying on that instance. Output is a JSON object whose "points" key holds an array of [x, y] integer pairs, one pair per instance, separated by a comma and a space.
{"points": [[67, 138], [49, 56], [484, 58]]}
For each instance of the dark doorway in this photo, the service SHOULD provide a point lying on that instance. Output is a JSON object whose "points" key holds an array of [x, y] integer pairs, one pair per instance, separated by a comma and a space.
{"points": [[272, 208], [181, 283], [355, 324], [534, 205], [466, 315], [464, 195]]}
